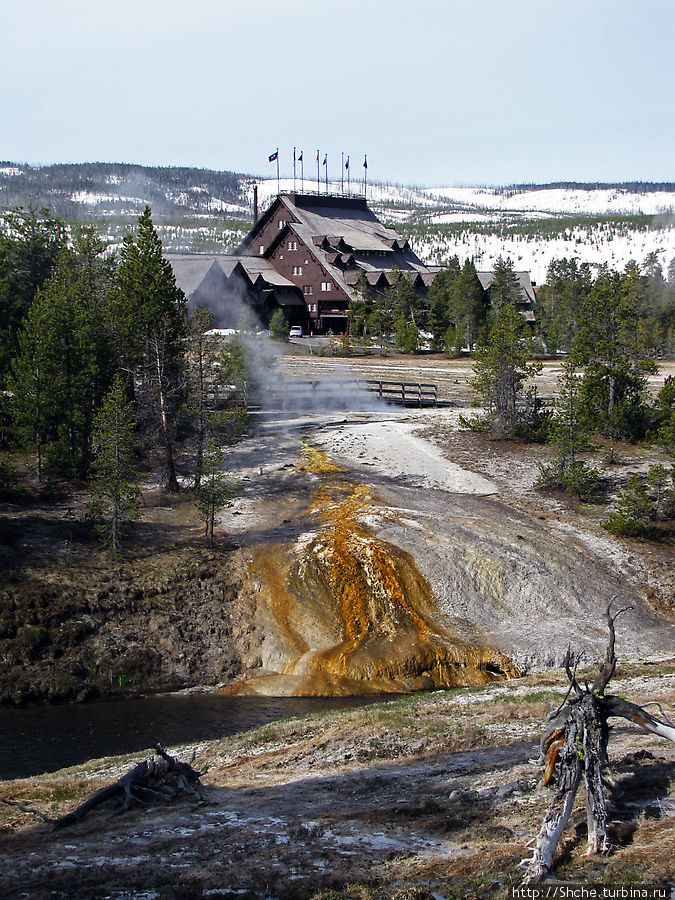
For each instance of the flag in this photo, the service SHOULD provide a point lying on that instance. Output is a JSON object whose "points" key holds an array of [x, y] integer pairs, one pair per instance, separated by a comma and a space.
{"points": [[347, 163], [317, 155], [365, 163], [293, 155], [300, 157], [325, 159], [274, 156]]}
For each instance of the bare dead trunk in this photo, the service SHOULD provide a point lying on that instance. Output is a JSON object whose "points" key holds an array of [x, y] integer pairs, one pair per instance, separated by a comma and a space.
{"points": [[160, 777], [575, 742], [171, 479]]}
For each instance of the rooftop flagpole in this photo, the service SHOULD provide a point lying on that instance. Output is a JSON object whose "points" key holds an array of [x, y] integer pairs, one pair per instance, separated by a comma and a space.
{"points": [[365, 177], [302, 172], [342, 173], [325, 162], [293, 169], [318, 179], [272, 157], [349, 188]]}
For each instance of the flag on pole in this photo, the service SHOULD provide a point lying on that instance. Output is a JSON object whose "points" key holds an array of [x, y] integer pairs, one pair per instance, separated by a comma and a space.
{"points": [[300, 157], [347, 163], [274, 155], [325, 160], [317, 155], [365, 163]]}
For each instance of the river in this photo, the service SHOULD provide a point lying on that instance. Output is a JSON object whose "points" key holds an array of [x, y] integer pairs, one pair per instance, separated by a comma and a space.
{"points": [[38, 739]]}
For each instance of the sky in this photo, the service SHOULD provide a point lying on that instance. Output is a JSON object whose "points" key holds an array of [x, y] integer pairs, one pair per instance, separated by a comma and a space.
{"points": [[434, 92]]}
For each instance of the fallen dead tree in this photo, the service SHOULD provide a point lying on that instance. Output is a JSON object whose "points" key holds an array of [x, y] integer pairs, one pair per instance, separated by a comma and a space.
{"points": [[159, 778], [575, 744]]}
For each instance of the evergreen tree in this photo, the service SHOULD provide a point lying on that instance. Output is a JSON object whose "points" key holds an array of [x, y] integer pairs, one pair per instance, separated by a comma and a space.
{"points": [[403, 300], [502, 367], [504, 288], [114, 482], [214, 489], [150, 327], [279, 324], [31, 242], [361, 307], [607, 343], [63, 366], [632, 515], [440, 297], [202, 380], [469, 307], [560, 302], [569, 435]]}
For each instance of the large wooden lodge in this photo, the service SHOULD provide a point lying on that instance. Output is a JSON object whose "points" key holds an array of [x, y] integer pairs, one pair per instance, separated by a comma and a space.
{"points": [[307, 254]]}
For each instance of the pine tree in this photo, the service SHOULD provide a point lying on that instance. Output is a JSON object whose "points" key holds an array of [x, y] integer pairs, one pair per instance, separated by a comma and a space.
{"points": [[114, 482], [501, 369], [469, 307], [63, 366], [214, 488], [279, 324], [504, 288], [440, 298], [150, 327], [31, 243], [613, 393]]}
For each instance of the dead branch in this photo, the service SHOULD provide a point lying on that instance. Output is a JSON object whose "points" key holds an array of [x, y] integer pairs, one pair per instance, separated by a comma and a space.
{"points": [[574, 743], [160, 777], [27, 809]]}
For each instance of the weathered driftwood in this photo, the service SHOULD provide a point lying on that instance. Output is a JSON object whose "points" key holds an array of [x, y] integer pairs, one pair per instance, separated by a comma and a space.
{"points": [[575, 744], [159, 778], [27, 809]]}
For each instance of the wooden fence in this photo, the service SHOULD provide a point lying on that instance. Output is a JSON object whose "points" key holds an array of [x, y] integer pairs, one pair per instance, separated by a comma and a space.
{"points": [[339, 393]]}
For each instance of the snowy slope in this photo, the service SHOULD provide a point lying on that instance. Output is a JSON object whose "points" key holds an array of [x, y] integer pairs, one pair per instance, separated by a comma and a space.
{"points": [[479, 200], [613, 244]]}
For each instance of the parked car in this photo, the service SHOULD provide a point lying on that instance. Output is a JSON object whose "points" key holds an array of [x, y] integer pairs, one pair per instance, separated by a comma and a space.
{"points": [[296, 331]]}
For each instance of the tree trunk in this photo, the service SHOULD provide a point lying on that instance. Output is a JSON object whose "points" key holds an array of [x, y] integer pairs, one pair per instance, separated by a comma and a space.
{"points": [[161, 777], [575, 741], [171, 480]]}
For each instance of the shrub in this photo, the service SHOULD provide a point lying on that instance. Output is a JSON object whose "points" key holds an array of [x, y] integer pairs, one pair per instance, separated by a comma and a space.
{"points": [[633, 513], [573, 477]]}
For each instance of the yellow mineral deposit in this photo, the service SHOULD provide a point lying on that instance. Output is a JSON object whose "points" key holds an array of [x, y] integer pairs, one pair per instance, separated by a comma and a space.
{"points": [[347, 613]]}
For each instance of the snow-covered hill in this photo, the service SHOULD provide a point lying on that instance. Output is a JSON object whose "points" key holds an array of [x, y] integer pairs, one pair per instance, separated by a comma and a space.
{"points": [[206, 211], [483, 223], [490, 201]]}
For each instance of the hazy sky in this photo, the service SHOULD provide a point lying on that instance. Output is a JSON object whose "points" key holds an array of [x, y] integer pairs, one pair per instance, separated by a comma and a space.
{"points": [[434, 91]]}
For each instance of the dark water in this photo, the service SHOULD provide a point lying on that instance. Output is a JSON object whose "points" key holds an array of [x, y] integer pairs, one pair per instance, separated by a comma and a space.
{"points": [[45, 738]]}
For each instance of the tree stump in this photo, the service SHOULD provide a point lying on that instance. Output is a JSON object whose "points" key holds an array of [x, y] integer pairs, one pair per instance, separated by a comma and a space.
{"points": [[159, 778]]}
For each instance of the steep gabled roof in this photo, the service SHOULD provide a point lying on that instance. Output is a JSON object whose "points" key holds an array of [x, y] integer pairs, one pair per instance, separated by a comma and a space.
{"points": [[191, 270], [524, 283]]}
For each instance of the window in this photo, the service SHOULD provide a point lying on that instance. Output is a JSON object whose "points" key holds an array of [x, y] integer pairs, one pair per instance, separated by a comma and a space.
{"points": [[308, 289], [325, 285], [262, 249], [297, 270], [292, 245], [311, 307], [282, 222]]}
